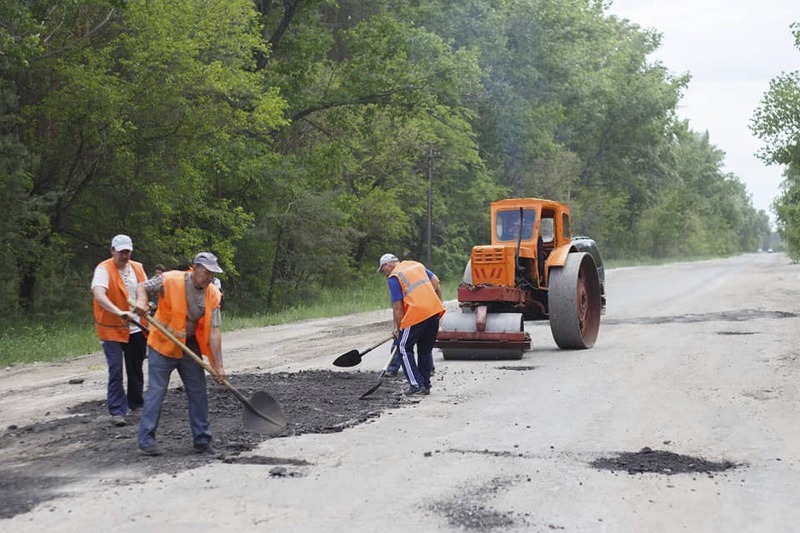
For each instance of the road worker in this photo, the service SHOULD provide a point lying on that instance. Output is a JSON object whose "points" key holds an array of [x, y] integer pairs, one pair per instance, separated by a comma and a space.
{"points": [[416, 309]]}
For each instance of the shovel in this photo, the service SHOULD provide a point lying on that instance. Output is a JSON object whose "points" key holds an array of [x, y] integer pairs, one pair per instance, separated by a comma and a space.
{"points": [[353, 357], [262, 412], [380, 378]]}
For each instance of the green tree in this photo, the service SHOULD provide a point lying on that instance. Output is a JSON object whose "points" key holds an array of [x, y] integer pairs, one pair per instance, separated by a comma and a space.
{"points": [[377, 118], [19, 216], [787, 210], [777, 123], [145, 118]]}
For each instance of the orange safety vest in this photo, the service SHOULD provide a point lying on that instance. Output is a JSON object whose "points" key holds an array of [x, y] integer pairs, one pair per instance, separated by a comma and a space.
{"points": [[420, 301], [172, 308], [110, 327]]}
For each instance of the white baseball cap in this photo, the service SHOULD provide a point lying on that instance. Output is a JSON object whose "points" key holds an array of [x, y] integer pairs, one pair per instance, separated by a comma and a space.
{"points": [[386, 258], [122, 242]]}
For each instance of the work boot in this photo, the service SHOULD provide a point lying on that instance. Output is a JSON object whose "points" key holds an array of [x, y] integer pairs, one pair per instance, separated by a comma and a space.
{"points": [[151, 450], [391, 374], [119, 421], [204, 448], [411, 390]]}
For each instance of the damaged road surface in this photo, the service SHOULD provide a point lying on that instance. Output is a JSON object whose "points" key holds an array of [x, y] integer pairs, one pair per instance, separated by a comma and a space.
{"points": [[681, 418], [49, 456]]}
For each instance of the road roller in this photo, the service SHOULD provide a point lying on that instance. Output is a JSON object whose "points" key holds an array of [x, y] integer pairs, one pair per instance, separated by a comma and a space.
{"points": [[532, 270]]}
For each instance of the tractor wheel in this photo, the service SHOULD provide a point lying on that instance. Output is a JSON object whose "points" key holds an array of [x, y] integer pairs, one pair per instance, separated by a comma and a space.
{"points": [[574, 302]]}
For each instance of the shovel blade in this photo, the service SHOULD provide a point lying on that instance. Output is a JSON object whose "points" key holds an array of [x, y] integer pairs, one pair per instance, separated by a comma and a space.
{"points": [[374, 388], [351, 358], [273, 420]]}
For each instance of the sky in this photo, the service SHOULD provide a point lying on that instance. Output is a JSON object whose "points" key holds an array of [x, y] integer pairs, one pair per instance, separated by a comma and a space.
{"points": [[732, 49]]}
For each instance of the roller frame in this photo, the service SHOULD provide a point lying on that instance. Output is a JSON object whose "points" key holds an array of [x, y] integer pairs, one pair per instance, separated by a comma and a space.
{"points": [[482, 335]]}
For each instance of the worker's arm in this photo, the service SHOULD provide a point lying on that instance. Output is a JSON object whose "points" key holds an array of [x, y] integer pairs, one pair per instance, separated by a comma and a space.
{"points": [[144, 289], [397, 315], [100, 294], [436, 286], [142, 303], [215, 340]]}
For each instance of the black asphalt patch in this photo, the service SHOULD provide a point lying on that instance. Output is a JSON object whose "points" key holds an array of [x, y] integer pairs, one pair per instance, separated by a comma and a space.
{"points": [[47, 456], [660, 462]]}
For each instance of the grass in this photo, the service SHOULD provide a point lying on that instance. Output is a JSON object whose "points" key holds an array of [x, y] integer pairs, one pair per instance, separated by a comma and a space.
{"points": [[328, 303], [48, 341], [59, 339]]}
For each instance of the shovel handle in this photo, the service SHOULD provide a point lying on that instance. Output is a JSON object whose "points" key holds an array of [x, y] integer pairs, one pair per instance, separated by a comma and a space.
{"points": [[390, 337], [188, 351], [383, 373], [389, 361], [208, 368]]}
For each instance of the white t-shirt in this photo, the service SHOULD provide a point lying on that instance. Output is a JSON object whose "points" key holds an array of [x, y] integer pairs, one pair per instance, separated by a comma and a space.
{"points": [[100, 279]]}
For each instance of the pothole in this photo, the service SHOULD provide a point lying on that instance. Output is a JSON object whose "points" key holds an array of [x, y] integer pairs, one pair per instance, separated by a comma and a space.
{"points": [[40, 458]]}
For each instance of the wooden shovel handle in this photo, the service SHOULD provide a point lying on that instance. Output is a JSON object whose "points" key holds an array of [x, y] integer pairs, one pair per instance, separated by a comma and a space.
{"points": [[188, 351], [387, 339], [199, 360]]}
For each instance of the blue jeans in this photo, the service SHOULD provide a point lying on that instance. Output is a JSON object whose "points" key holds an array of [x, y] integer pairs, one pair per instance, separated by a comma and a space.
{"points": [[193, 376], [423, 336], [130, 353]]}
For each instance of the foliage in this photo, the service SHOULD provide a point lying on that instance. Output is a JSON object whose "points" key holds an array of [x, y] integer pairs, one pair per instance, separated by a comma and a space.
{"points": [[299, 140], [787, 208], [777, 123]]}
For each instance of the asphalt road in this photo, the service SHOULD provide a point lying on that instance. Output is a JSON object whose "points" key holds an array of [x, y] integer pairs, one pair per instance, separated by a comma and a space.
{"points": [[700, 359]]}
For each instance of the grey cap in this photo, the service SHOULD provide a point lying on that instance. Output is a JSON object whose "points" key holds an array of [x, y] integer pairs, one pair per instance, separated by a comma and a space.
{"points": [[208, 261], [122, 242], [386, 258]]}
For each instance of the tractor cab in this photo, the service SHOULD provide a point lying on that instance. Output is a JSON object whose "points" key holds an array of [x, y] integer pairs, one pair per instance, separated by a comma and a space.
{"points": [[525, 231]]}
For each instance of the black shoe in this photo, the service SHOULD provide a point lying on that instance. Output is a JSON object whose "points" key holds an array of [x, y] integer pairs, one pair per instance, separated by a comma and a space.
{"points": [[425, 391], [204, 448], [391, 374], [151, 450], [411, 391]]}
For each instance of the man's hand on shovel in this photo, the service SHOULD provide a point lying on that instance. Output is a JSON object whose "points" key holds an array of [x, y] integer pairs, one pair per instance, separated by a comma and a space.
{"points": [[262, 412], [215, 340], [138, 307]]}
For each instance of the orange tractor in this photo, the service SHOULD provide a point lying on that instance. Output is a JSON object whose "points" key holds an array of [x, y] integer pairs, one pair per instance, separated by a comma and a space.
{"points": [[532, 270]]}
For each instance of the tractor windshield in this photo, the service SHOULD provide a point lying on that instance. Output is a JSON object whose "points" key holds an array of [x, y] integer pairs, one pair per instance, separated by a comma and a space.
{"points": [[508, 223]]}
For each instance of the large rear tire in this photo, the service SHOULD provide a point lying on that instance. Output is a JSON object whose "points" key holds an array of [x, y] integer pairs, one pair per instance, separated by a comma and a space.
{"points": [[575, 302]]}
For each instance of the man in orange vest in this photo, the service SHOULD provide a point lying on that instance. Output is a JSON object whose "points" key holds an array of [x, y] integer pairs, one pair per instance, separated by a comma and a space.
{"points": [[189, 305], [115, 281], [416, 308]]}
